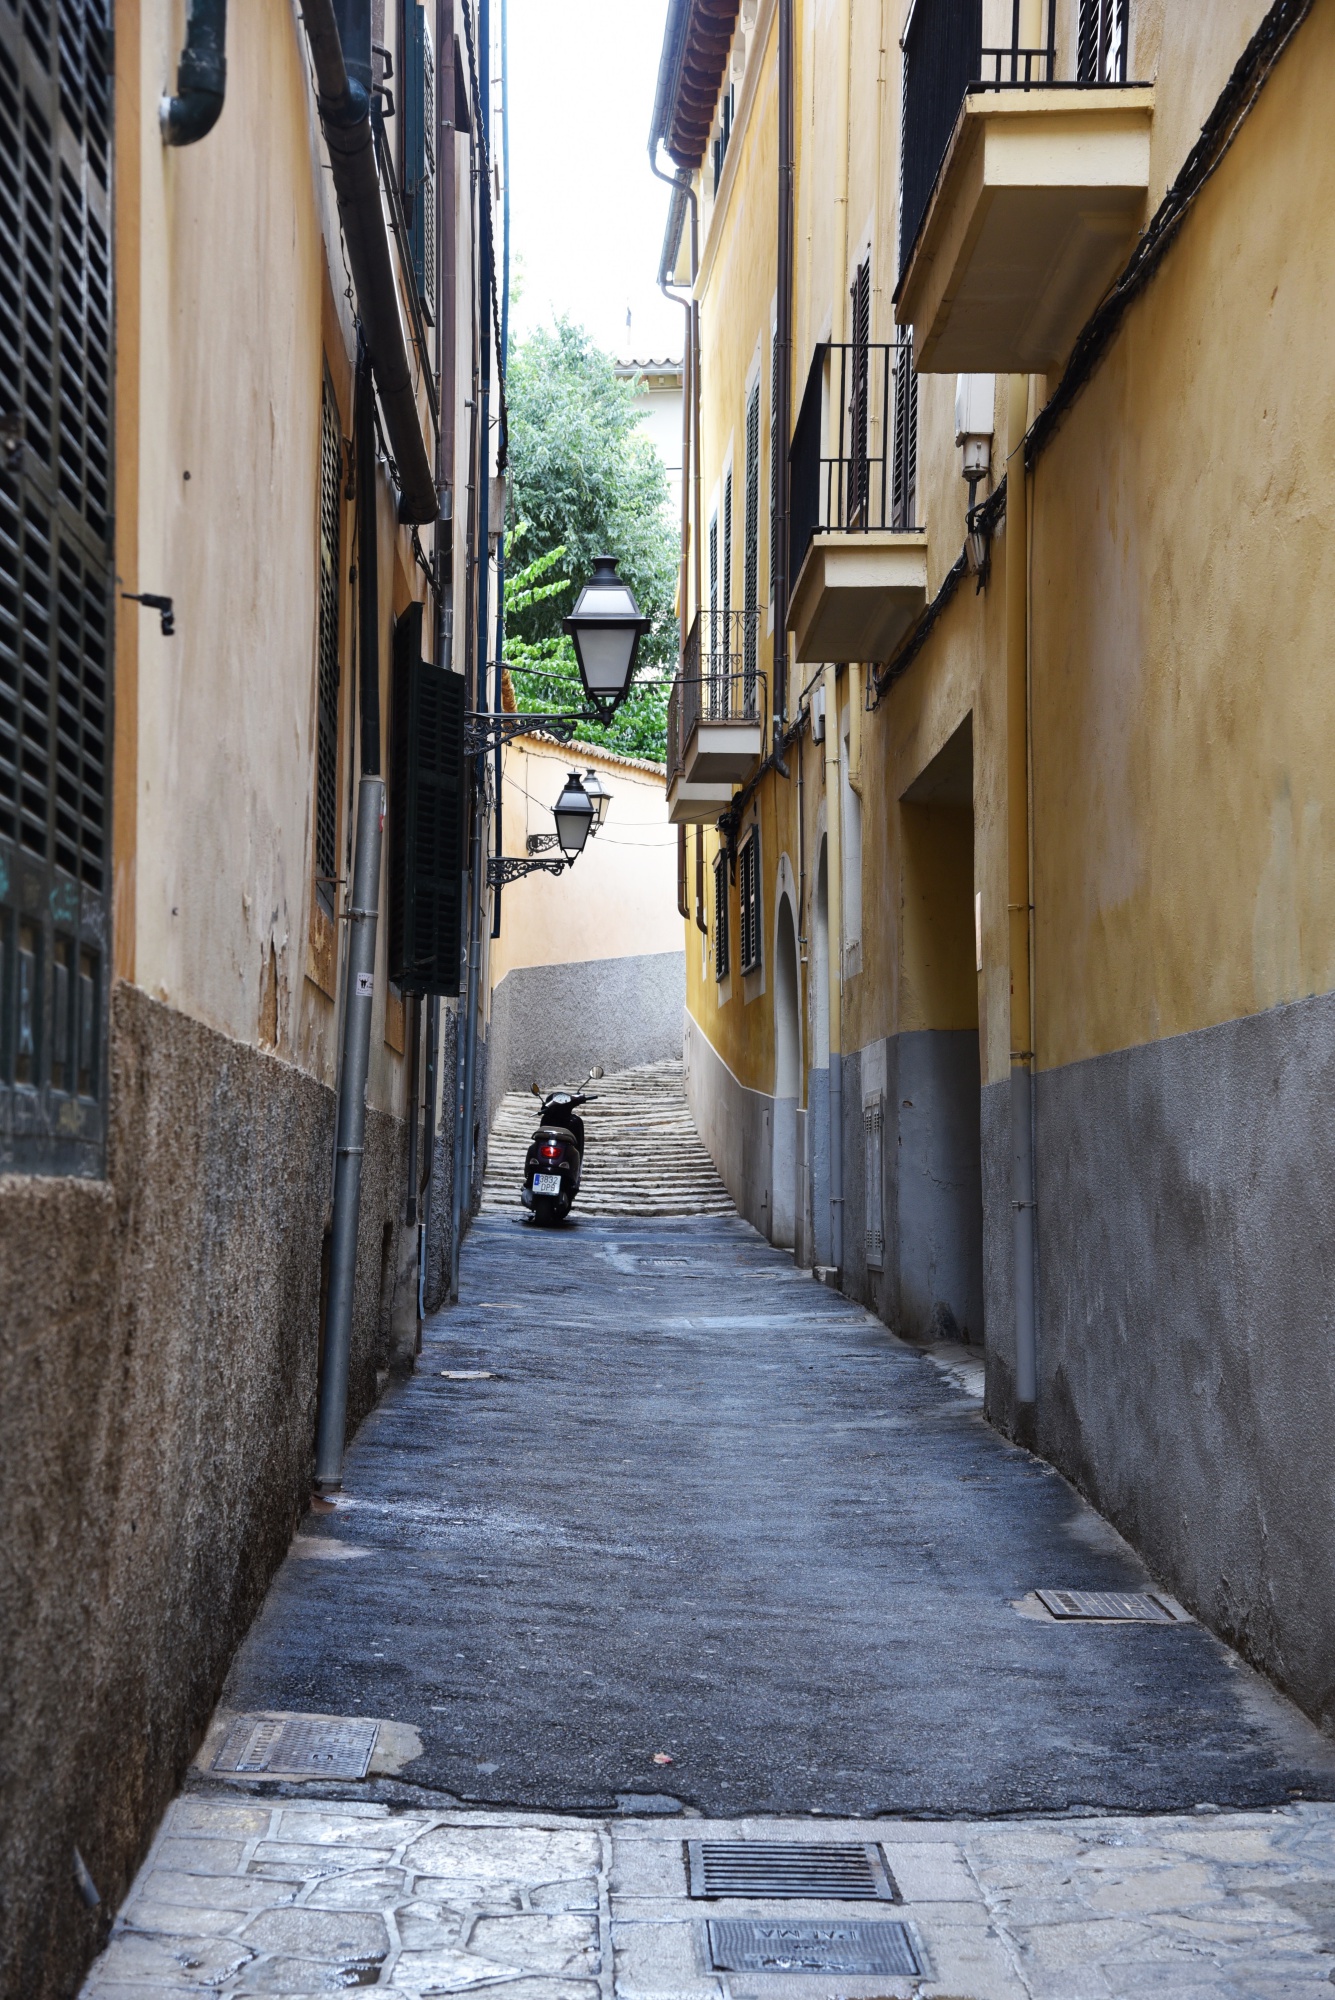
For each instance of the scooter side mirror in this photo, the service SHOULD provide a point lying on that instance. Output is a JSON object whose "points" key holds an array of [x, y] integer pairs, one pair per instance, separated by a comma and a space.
{"points": [[535, 1089], [596, 1072]]}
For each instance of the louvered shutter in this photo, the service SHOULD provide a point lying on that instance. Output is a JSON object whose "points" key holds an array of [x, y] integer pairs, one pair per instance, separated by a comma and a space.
{"points": [[751, 552], [418, 165], [327, 649], [904, 468], [773, 460], [55, 583], [721, 956], [859, 469], [426, 818]]}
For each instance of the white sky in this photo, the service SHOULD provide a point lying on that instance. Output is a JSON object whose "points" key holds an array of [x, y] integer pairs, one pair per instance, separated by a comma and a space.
{"points": [[586, 215]]}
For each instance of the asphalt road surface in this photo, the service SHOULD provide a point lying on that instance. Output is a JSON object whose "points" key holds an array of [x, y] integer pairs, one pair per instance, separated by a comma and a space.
{"points": [[699, 1508]]}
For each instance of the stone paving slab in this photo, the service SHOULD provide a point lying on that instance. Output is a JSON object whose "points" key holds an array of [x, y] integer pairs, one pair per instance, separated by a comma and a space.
{"points": [[1222, 1906]]}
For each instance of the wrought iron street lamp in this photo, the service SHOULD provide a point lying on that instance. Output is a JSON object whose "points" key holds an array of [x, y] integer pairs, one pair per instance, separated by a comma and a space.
{"points": [[598, 792], [606, 626], [574, 814]]}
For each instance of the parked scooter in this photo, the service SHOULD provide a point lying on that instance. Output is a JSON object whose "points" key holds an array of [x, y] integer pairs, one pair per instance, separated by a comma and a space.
{"points": [[555, 1159]]}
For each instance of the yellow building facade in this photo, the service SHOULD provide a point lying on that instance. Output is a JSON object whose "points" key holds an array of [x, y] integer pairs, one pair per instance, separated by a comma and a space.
{"points": [[1009, 933]]}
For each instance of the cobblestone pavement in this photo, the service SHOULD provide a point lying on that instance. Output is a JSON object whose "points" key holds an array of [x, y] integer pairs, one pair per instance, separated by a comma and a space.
{"points": [[246, 1896]]}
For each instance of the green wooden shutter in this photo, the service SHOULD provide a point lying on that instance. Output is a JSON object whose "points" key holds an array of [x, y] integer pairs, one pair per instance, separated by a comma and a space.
{"points": [[55, 583], [426, 811], [418, 171]]}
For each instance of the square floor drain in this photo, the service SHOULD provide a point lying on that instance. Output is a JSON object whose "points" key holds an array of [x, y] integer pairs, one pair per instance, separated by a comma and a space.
{"points": [[739, 1946], [297, 1746], [1127, 1606], [843, 1871]]}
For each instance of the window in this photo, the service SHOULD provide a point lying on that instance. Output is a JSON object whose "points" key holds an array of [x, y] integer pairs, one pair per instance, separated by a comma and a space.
{"points": [[748, 897], [56, 585], [1101, 49], [721, 958], [859, 469], [417, 173], [751, 549], [723, 134], [873, 1123], [904, 463], [327, 651]]}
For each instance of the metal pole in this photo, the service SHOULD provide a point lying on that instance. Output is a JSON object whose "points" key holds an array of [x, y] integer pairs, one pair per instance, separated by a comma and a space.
{"points": [[1020, 900], [457, 1170], [332, 1419]]}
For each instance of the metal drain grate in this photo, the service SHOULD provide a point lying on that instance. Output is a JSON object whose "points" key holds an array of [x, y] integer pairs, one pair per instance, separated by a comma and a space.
{"points": [[847, 1871], [1127, 1606], [739, 1946], [297, 1746]]}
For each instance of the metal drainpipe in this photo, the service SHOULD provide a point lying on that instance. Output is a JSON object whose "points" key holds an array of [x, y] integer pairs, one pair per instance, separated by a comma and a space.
{"points": [[482, 574], [359, 998], [426, 1178], [201, 76], [783, 411], [1020, 900], [502, 361], [333, 1410], [834, 923]]}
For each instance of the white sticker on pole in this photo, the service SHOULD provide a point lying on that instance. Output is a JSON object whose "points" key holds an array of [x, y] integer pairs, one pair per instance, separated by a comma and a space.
{"points": [[365, 985]]}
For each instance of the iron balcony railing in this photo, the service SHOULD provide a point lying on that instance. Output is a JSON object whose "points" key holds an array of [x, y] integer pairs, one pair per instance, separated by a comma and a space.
{"points": [[855, 445], [953, 47], [721, 679]]}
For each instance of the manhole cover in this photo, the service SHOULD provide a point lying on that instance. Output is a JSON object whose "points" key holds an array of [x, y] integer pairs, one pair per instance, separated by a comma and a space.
{"points": [[297, 1746], [848, 1871], [738, 1946], [1128, 1606]]}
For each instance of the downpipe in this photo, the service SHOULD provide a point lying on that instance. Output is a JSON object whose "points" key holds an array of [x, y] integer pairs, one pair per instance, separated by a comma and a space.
{"points": [[331, 1422], [201, 76], [1020, 911], [834, 924]]}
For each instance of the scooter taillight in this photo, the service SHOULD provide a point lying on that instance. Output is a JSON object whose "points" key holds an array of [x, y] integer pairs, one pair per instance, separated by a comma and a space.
{"points": [[550, 1149]]}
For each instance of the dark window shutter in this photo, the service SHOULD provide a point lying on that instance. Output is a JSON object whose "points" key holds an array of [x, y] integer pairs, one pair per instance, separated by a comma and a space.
{"points": [[721, 917], [327, 666], [426, 818], [418, 168], [749, 899], [859, 480], [751, 548], [904, 468], [55, 583], [773, 458]]}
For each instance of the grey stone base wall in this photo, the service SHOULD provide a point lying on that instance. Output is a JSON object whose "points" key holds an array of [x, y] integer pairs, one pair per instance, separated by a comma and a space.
{"points": [[159, 1339], [735, 1124], [551, 1023], [1186, 1331]]}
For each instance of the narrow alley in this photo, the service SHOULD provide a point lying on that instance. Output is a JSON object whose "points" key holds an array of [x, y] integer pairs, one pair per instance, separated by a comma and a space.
{"points": [[663, 1541]]}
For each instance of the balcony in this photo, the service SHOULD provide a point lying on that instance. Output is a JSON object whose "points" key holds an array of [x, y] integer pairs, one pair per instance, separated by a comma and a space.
{"points": [[717, 715], [858, 560], [1023, 193]]}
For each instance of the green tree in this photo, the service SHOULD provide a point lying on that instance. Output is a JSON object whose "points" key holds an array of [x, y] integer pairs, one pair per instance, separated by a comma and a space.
{"points": [[585, 481]]}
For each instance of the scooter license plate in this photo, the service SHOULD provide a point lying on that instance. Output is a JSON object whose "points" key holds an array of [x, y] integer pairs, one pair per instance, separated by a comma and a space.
{"points": [[546, 1183]]}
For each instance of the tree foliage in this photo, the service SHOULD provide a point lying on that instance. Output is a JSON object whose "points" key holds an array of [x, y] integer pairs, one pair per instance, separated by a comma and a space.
{"points": [[585, 482]]}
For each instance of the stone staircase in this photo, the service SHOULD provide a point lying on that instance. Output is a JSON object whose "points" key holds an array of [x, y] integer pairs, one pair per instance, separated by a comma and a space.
{"points": [[642, 1153]]}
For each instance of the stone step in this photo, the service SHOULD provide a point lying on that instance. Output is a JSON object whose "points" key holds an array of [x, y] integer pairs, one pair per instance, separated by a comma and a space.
{"points": [[644, 1154]]}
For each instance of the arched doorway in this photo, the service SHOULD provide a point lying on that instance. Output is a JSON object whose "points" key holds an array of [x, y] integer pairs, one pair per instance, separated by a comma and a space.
{"points": [[787, 1077]]}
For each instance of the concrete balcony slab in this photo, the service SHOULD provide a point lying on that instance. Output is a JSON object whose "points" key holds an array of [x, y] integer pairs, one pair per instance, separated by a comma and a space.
{"points": [[1037, 206], [856, 595]]}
